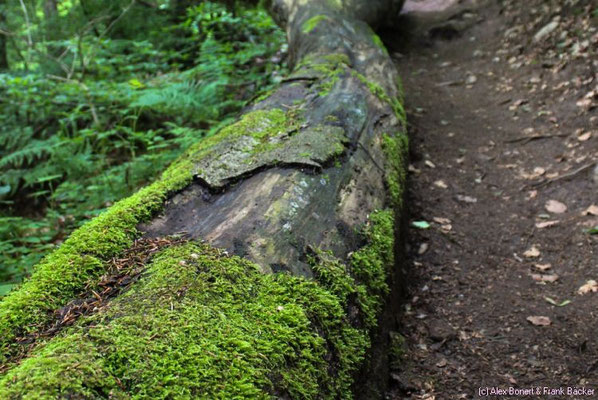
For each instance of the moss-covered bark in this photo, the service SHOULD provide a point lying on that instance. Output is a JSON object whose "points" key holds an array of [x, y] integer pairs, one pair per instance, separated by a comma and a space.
{"points": [[285, 188], [200, 324]]}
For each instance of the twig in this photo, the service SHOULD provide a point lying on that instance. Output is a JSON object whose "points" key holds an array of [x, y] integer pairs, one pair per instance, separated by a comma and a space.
{"points": [[86, 60], [527, 139], [300, 78], [29, 39], [450, 83], [566, 176], [7, 33]]}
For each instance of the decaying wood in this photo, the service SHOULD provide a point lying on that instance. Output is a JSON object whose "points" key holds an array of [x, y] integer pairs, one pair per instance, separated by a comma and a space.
{"points": [[302, 169], [270, 216]]}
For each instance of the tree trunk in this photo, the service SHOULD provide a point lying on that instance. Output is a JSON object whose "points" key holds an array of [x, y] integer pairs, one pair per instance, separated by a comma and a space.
{"points": [[291, 245], [3, 43], [50, 9], [53, 33]]}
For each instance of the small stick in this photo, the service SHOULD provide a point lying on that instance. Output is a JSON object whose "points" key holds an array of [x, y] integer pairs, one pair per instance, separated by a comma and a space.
{"points": [[526, 139], [566, 176]]}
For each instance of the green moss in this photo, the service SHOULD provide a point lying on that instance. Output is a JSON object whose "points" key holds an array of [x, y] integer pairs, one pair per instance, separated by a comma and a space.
{"points": [[378, 42], [400, 89], [202, 325], [329, 68], [259, 124], [80, 260], [265, 138], [396, 149], [312, 23], [264, 95], [378, 91], [335, 4], [373, 263]]}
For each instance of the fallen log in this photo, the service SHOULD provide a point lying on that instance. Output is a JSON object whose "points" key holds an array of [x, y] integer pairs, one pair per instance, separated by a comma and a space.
{"points": [[290, 223]]}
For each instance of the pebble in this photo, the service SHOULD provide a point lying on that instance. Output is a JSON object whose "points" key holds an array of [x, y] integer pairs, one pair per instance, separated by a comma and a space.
{"points": [[471, 79]]}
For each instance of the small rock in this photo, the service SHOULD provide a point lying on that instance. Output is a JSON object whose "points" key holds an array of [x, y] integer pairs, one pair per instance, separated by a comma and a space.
{"points": [[471, 79]]}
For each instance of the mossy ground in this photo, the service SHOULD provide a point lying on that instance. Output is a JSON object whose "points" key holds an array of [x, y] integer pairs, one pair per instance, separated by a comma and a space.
{"points": [[203, 325]]}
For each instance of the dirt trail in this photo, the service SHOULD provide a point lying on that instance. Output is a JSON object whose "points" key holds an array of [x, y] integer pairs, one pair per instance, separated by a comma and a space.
{"points": [[504, 140]]}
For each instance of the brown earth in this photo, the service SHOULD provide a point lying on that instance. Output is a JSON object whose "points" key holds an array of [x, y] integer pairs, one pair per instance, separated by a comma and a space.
{"points": [[504, 137]]}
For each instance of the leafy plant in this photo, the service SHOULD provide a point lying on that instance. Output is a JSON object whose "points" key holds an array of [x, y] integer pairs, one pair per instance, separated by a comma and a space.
{"points": [[81, 129]]}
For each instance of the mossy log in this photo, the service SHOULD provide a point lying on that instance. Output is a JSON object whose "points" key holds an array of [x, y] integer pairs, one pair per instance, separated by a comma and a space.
{"points": [[290, 218]]}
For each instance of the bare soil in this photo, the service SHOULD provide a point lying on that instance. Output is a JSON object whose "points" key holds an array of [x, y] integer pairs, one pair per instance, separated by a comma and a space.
{"points": [[504, 137]]}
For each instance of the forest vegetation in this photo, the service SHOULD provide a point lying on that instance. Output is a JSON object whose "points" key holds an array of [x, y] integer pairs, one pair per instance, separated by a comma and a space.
{"points": [[97, 98]]}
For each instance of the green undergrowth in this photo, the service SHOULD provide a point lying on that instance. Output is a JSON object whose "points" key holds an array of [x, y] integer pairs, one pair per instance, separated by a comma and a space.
{"points": [[107, 96], [203, 325]]}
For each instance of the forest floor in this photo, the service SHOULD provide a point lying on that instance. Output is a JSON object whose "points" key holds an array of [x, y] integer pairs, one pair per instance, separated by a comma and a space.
{"points": [[503, 183]]}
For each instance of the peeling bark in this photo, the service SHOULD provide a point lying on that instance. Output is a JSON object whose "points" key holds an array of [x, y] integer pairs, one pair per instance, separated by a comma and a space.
{"points": [[270, 217]]}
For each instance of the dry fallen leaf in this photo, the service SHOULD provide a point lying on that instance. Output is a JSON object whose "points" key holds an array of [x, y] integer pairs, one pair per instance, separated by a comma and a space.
{"points": [[539, 171], [555, 207], [543, 267], [440, 184], [584, 136], [422, 248], [584, 103], [466, 199], [589, 286], [446, 227], [539, 320], [546, 224], [545, 278], [442, 221], [532, 252], [591, 210]]}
